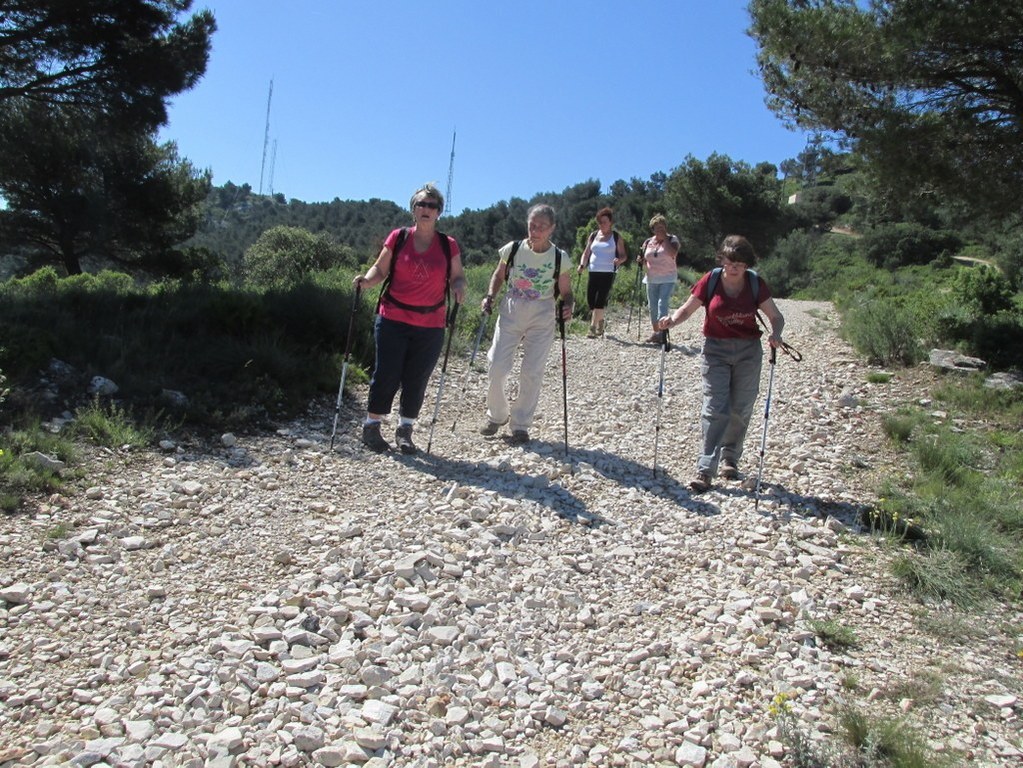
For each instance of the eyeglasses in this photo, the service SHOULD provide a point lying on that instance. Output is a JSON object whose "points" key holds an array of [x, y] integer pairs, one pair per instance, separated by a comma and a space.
{"points": [[427, 204]]}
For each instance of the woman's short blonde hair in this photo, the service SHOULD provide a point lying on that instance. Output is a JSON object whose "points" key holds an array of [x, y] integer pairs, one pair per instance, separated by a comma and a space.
{"points": [[658, 219], [426, 192]]}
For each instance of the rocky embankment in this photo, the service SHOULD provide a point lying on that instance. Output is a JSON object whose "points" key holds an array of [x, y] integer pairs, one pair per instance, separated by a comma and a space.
{"points": [[269, 602]]}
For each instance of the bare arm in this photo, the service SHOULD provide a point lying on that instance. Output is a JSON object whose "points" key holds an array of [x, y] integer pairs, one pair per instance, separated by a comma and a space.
{"points": [[672, 246], [776, 319], [457, 278], [565, 292], [680, 315], [376, 273], [584, 260], [620, 255], [496, 281]]}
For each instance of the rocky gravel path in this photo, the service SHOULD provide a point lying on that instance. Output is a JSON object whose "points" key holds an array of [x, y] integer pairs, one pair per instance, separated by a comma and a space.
{"points": [[263, 601]]}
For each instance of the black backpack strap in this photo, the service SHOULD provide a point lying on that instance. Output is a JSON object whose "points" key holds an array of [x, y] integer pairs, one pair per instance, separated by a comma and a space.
{"points": [[385, 291], [385, 287], [445, 245], [712, 285], [557, 271], [511, 258], [715, 278]]}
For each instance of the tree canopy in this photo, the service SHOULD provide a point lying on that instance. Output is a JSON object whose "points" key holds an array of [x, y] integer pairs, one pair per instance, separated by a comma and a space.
{"points": [[78, 183], [121, 55], [929, 91], [722, 196], [83, 89]]}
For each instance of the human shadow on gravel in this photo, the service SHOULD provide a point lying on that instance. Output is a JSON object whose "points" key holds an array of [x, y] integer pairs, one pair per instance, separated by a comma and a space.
{"points": [[629, 474], [630, 341], [560, 501], [777, 502]]}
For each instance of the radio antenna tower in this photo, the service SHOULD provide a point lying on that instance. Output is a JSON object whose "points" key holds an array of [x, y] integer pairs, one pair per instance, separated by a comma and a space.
{"points": [[451, 173], [266, 135], [273, 164]]}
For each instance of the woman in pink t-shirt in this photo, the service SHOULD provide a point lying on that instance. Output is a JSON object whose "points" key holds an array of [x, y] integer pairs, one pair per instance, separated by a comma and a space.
{"points": [[732, 356], [411, 315], [660, 262]]}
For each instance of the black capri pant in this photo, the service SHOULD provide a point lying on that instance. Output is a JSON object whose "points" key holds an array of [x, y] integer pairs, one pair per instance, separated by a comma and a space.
{"points": [[598, 289]]}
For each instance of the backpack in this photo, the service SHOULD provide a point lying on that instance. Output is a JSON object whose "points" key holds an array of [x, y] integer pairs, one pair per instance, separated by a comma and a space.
{"points": [[385, 291], [616, 237], [557, 264], [715, 278]]}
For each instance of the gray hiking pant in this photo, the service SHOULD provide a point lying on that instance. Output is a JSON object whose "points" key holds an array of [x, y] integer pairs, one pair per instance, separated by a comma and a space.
{"points": [[731, 381]]}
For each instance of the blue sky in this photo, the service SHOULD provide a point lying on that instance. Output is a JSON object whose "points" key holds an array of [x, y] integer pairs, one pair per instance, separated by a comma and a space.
{"points": [[543, 94]]}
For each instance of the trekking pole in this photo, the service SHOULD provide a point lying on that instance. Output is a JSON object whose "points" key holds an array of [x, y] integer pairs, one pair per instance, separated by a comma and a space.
{"points": [[635, 295], [564, 369], [639, 325], [484, 316], [763, 439], [660, 397], [344, 365], [443, 370]]}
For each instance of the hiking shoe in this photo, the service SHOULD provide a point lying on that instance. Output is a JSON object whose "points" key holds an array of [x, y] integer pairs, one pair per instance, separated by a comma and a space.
{"points": [[519, 437], [403, 438], [490, 428], [593, 332], [700, 483], [654, 338], [729, 471], [600, 328], [372, 438]]}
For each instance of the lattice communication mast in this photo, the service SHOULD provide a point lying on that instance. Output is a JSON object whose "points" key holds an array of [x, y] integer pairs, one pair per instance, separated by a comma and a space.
{"points": [[266, 135], [451, 174]]}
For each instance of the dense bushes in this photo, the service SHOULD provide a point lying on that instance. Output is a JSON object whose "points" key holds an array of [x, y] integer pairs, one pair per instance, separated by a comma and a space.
{"points": [[284, 256], [897, 245], [882, 331], [234, 352]]}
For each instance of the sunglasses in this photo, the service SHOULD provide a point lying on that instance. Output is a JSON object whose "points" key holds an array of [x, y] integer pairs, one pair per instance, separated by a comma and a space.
{"points": [[427, 204]]}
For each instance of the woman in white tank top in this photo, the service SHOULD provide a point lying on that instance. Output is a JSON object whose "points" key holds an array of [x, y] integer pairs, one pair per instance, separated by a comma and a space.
{"points": [[605, 251]]}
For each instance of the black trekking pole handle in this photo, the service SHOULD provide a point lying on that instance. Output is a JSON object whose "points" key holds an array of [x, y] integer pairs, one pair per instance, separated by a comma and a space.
{"points": [[344, 365], [450, 322], [564, 368], [665, 346]]}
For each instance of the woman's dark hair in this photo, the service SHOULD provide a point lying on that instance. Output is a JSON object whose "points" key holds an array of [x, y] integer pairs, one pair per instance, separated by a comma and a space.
{"points": [[605, 211], [737, 248]]}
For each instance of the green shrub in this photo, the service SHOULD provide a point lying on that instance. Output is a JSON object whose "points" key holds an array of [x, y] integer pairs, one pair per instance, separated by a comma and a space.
{"points": [[982, 290], [284, 256], [833, 635], [880, 742], [20, 476], [111, 426], [788, 269], [899, 426], [883, 332]]}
